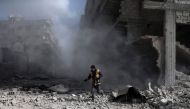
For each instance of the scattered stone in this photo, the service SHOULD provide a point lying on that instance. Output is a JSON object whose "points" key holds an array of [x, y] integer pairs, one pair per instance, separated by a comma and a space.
{"points": [[161, 98], [128, 94], [61, 89], [54, 98], [181, 76], [34, 88], [163, 101], [13, 102], [185, 84], [11, 93], [61, 99], [120, 92], [73, 95]]}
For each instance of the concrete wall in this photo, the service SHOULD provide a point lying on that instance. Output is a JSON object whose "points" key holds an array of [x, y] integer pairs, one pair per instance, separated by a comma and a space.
{"points": [[27, 46]]}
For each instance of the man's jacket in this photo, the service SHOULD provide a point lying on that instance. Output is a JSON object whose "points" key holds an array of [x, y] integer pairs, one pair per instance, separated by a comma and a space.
{"points": [[95, 77]]}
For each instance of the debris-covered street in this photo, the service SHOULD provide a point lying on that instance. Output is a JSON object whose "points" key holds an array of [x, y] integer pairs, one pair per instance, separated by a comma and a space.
{"points": [[94, 54], [42, 96], [35, 98], [30, 100]]}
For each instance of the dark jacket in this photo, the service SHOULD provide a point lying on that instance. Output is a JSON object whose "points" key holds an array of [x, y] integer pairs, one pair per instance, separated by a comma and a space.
{"points": [[95, 77]]}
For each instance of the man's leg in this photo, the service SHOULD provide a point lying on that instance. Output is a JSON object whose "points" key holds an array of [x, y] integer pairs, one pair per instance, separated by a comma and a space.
{"points": [[98, 90], [92, 92]]}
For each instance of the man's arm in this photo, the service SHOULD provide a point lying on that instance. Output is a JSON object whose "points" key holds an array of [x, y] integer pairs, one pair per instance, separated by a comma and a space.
{"points": [[100, 74], [89, 77]]}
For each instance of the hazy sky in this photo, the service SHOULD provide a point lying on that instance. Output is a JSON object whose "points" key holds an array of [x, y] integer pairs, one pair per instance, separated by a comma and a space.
{"points": [[66, 9]]}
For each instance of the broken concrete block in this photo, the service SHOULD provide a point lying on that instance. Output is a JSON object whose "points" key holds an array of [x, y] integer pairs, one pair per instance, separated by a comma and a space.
{"points": [[59, 88], [73, 95], [54, 98], [164, 101], [128, 94], [185, 84], [120, 92], [181, 76], [11, 93], [149, 87]]}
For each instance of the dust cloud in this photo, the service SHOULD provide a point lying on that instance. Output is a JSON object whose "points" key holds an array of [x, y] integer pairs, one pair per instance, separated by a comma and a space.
{"points": [[117, 60]]}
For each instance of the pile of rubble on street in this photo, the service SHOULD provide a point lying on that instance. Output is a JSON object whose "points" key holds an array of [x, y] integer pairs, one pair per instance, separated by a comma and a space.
{"points": [[59, 96], [36, 98], [177, 97]]}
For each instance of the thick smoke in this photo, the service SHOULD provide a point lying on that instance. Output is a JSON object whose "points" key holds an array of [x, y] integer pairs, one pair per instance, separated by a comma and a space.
{"points": [[117, 60], [121, 63], [65, 22]]}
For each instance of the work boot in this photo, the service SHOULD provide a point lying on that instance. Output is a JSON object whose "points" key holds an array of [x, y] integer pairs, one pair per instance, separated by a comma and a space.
{"points": [[101, 92], [92, 97]]}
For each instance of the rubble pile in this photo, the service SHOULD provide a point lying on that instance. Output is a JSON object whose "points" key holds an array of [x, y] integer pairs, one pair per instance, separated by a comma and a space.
{"points": [[59, 89], [60, 96], [177, 97], [128, 94], [33, 99]]}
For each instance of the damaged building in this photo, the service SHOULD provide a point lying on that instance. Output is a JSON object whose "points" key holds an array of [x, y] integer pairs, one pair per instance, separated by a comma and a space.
{"points": [[27, 48], [154, 31]]}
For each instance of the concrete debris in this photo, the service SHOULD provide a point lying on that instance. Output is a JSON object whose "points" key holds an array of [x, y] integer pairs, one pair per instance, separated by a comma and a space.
{"points": [[120, 92], [182, 77], [128, 94], [150, 88], [59, 89], [164, 101], [185, 84], [41, 97], [176, 97], [34, 88], [73, 95], [34, 98]]}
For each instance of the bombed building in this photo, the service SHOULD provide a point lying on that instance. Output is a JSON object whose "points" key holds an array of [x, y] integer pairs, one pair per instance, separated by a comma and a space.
{"points": [[121, 54], [149, 39], [27, 48]]}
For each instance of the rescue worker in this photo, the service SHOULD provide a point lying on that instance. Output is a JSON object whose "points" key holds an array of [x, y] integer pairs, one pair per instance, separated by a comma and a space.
{"points": [[95, 76]]}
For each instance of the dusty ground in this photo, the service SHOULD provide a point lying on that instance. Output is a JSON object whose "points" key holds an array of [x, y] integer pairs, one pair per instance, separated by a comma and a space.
{"points": [[24, 94], [14, 98], [33, 94]]}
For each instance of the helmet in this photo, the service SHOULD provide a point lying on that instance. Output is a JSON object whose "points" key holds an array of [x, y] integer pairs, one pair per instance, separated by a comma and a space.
{"points": [[92, 66]]}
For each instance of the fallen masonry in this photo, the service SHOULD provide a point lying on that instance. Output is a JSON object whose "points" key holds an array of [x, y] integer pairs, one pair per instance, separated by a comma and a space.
{"points": [[59, 89], [128, 94], [40, 96]]}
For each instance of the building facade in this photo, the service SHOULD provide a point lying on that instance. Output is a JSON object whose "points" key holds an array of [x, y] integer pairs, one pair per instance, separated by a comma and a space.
{"points": [[27, 47], [131, 20]]}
